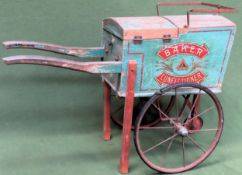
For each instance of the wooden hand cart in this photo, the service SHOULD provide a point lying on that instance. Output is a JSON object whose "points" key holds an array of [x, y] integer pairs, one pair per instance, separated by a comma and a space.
{"points": [[174, 65]]}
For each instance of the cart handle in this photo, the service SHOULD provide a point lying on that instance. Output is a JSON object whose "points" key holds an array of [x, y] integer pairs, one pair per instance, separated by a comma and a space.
{"points": [[219, 8], [99, 67], [88, 52]]}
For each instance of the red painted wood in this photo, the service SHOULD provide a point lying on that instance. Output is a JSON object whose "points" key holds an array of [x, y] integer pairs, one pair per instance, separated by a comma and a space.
{"points": [[97, 67], [127, 122], [107, 114], [73, 51]]}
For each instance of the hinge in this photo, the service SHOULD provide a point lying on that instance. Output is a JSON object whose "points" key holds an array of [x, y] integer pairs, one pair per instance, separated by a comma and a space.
{"points": [[166, 38], [138, 39]]}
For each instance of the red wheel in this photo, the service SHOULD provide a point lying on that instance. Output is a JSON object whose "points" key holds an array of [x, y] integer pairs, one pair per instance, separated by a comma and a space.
{"points": [[189, 137], [151, 118]]}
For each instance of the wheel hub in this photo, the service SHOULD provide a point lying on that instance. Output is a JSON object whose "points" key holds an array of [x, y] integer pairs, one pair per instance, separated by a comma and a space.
{"points": [[181, 130]]}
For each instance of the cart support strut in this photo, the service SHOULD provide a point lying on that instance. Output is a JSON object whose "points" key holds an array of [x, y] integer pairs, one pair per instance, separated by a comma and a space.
{"points": [[127, 119], [107, 113]]}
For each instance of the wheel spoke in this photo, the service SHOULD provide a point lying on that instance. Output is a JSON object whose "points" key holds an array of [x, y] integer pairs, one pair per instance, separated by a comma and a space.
{"points": [[163, 114], [157, 127], [184, 105], [202, 130], [158, 105], [167, 151], [194, 104], [176, 98], [204, 112], [183, 151], [158, 144], [196, 144], [170, 105], [118, 109]]}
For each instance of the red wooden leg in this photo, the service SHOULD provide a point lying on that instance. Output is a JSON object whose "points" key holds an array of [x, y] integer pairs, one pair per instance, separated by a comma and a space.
{"points": [[127, 121], [107, 115]]}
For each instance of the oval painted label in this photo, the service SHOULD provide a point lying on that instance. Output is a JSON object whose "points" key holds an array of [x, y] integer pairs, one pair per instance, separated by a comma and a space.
{"points": [[182, 62]]}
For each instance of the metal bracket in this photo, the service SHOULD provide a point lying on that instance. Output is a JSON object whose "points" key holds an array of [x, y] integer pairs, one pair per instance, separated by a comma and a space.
{"points": [[166, 38], [138, 40]]}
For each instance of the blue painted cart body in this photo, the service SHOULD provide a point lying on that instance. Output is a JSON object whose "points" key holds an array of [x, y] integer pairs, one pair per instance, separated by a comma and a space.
{"points": [[167, 52]]}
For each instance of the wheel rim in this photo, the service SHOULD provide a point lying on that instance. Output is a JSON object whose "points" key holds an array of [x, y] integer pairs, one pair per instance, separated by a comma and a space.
{"points": [[117, 113], [188, 138]]}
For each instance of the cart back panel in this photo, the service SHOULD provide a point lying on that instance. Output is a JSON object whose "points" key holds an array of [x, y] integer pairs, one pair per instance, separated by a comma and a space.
{"points": [[167, 52]]}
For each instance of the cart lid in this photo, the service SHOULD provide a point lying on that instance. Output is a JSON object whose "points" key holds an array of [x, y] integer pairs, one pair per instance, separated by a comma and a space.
{"points": [[158, 27], [201, 21], [128, 28]]}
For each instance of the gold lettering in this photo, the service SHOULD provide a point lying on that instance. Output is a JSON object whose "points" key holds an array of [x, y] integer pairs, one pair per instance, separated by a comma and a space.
{"points": [[167, 53], [199, 51], [183, 48], [175, 50], [191, 79], [192, 49], [195, 78]]}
